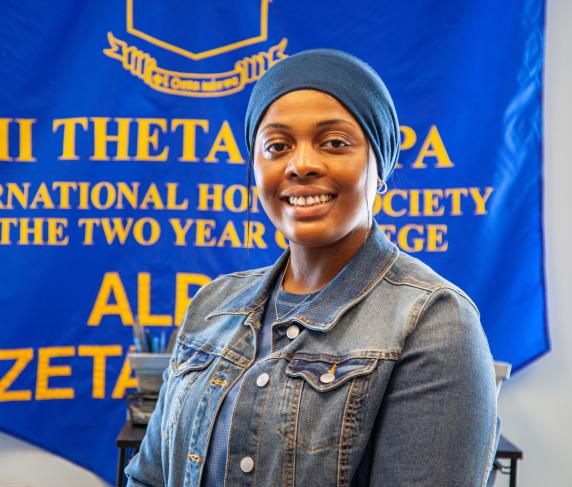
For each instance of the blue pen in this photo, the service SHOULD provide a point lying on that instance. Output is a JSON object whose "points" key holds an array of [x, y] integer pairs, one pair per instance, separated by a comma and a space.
{"points": [[148, 340], [163, 346], [137, 345], [155, 347]]}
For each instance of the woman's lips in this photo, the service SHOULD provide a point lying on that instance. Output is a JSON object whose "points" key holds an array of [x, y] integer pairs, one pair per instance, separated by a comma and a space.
{"points": [[314, 210]]}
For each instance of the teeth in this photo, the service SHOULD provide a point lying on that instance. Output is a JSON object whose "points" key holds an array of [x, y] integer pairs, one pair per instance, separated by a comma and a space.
{"points": [[309, 200]]}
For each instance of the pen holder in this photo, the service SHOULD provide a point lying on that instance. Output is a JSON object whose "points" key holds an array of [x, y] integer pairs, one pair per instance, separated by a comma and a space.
{"points": [[148, 368]]}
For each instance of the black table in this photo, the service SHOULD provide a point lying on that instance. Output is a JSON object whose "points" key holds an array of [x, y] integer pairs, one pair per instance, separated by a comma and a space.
{"points": [[506, 450], [128, 441], [130, 436]]}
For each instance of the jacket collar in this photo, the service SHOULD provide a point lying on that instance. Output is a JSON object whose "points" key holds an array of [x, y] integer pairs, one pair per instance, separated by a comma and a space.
{"points": [[360, 275]]}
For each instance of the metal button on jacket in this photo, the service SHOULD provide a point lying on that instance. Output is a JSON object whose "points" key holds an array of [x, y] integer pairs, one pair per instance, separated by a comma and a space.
{"points": [[262, 379], [247, 464], [292, 332], [327, 378]]}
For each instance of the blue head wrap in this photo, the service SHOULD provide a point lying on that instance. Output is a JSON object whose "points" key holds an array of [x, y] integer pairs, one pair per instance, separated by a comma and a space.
{"points": [[348, 79]]}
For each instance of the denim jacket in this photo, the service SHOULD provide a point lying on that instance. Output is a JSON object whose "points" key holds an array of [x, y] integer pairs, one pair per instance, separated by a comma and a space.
{"points": [[384, 378]]}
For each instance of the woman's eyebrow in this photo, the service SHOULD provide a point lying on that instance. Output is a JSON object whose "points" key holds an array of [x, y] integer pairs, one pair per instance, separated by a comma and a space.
{"points": [[334, 121], [274, 126]]}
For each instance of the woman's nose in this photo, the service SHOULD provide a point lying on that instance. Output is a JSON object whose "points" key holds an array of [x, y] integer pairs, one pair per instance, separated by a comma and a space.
{"points": [[305, 162]]}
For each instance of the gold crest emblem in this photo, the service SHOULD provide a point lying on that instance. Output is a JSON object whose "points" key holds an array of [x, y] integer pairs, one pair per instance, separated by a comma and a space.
{"points": [[141, 17]]}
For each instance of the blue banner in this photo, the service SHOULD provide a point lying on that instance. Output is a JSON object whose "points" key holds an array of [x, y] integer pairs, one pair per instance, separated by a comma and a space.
{"points": [[123, 177]]}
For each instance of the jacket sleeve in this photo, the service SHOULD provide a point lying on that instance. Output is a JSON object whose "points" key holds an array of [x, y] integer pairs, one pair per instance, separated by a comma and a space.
{"points": [[437, 423], [146, 468]]}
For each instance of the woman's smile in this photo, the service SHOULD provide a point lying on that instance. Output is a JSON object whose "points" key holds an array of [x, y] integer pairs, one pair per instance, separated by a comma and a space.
{"points": [[311, 200], [308, 211], [307, 203]]}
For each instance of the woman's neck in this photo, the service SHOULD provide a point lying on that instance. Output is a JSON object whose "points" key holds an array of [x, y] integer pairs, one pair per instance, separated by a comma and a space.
{"points": [[311, 268]]}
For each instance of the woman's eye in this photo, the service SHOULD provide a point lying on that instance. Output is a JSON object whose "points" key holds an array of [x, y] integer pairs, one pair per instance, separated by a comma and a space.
{"points": [[276, 147], [336, 144]]}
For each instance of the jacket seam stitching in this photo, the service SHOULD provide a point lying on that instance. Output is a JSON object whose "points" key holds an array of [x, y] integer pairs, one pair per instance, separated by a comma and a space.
{"points": [[415, 284], [224, 352], [435, 292], [419, 285], [247, 273]]}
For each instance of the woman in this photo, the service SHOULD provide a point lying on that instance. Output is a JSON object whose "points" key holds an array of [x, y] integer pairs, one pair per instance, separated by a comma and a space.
{"points": [[346, 362]]}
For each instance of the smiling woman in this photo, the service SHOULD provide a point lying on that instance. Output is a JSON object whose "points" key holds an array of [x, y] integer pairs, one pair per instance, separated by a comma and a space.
{"points": [[346, 362]]}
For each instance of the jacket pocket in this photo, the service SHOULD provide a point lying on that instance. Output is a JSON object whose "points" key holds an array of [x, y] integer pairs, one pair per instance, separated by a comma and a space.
{"points": [[187, 358], [319, 395]]}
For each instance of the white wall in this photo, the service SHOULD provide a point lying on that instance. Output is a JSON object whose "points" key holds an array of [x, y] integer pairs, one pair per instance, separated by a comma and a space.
{"points": [[24, 465], [536, 404]]}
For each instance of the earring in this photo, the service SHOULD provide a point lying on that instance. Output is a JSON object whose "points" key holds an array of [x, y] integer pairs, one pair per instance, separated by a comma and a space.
{"points": [[381, 187]]}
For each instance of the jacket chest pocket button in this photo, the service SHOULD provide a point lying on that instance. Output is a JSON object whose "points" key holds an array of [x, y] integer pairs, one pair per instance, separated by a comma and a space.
{"points": [[327, 378], [292, 332]]}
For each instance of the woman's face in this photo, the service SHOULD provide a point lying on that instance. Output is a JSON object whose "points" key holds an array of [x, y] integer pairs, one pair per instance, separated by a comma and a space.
{"points": [[311, 169]]}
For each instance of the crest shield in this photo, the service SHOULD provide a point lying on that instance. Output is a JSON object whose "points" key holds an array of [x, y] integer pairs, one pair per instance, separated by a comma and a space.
{"points": [[198, 29]]}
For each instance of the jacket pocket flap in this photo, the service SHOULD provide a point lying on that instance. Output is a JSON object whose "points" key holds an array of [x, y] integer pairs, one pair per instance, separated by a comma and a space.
{"points": [[186, 358], [327, 375]]}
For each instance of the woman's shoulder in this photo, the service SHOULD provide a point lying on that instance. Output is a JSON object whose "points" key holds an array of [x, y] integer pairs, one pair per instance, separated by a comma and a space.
{"points": [[439, 313], [412, 273]]}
